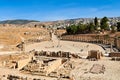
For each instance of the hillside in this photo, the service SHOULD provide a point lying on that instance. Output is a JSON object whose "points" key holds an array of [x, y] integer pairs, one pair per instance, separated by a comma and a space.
{"points": [[18, 21]]}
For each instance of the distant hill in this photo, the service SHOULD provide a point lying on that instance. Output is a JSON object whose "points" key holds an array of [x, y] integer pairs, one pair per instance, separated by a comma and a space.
{"points": [[18, 21], [66, 21]]}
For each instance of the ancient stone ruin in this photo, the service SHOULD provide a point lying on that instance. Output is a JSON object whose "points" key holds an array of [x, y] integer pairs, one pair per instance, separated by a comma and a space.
{"points": [[97, 69], [94, 55]]}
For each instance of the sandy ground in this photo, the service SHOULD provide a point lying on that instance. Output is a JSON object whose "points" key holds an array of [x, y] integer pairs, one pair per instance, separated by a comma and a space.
{"points": [[8, 52], [112, 70], [67, 46], [1, 46]]}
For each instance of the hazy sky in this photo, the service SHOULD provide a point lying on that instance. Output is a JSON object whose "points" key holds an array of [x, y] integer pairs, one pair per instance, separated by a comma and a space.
{"points": [[48, 10]]}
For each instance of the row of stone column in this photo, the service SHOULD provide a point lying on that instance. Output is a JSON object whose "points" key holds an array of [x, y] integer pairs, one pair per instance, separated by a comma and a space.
{"points": [[92, 39]]}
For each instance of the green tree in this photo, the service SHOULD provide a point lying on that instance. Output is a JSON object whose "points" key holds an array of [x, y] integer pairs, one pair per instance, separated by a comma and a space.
{"points": [[82, 28], [68, 29], [104, 23], [113, 29], [118, 26], [72, 29], [96, 22], [91, 27]]}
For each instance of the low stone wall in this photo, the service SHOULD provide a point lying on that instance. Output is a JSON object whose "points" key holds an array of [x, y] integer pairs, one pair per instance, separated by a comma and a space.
{"points": [[114, 54], [53, 54]]}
